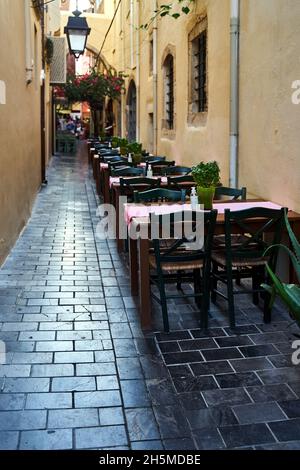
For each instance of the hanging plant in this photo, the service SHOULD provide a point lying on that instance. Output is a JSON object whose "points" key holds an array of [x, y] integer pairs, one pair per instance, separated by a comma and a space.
{"points": [[171, 9], [49, 48]]}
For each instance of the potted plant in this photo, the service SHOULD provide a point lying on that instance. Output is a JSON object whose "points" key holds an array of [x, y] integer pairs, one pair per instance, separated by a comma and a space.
{"points": [[115, 142], [123, 144], [207, 178], [136, 149]]}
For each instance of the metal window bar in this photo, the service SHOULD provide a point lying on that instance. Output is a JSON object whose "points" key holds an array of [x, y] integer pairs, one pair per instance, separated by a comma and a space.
{"points": [[170, 94], [201, 69]]}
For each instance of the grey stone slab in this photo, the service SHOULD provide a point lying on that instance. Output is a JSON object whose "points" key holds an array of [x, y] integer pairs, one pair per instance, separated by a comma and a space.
{"points": [[249, 364], [8, 370], [97, 399], [9, 440], [54, 346], [258, 413], [73, 335], [56, 326], [58, 439], [234, 396], [22, 420], [269, 393], [52, 370], [108, 382], [141, 424], [134, 393], [104, 356], [73, 418], [101, 437], [20, 326], [11, 401], [111, 416], [47, 401], [95, 369], [91, 325], [89, 345], [249, 434], [73, 384], [14, 385], [73, 357], [32, 358]]}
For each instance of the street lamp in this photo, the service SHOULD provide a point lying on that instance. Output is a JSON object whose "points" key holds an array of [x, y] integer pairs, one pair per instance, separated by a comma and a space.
{"points": [[77, 31]]}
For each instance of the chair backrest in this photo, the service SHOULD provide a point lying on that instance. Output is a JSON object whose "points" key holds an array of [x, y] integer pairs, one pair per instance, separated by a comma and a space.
{"points": [[153, 158], [255, 242], [129, 185], [128, 171], [159, 194], [181, 182], [231, 193], [177, 170], [114, 159], [119, 163], [159, 167], [179, 251]]}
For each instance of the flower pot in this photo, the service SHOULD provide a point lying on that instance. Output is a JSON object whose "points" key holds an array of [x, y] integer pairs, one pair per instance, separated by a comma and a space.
{"points": [[136, 158], [206, 196], [123, 151], [114, 144]]}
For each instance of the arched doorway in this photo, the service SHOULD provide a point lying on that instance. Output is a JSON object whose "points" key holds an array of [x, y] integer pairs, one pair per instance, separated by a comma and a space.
{"points": [[131, 112]]}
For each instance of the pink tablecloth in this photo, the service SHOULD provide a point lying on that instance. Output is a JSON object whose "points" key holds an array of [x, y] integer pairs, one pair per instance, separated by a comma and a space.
{"points": [[116, 179], [138, 210]]}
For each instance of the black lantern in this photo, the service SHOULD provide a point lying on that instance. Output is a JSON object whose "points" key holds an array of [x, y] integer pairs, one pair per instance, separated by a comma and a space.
{"points": [[77, 31]]}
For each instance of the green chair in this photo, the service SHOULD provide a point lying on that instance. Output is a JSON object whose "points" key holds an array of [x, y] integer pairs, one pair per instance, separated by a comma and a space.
{"points": [[127, 171], [129, 185], [159, 166], [181, 182], [246, 259], [177, 170], [175, 258], [159, 194], [231, 193]]}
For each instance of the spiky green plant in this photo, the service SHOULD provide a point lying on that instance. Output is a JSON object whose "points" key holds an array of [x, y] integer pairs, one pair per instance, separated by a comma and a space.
{"points": [[289, 293]]}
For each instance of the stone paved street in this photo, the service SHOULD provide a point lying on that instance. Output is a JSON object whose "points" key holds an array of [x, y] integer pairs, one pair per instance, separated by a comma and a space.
{"points": [[80, 373]]}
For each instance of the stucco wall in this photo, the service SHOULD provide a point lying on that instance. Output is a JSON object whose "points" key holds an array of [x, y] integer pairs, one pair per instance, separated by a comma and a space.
{"points": [[269, 122], [20, 169]]}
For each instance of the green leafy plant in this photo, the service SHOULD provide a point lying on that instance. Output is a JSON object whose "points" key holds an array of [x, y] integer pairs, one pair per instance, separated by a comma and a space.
{"points": [[135, 148], [289, 293], [168, 9], [49, 50], [207, 174]]}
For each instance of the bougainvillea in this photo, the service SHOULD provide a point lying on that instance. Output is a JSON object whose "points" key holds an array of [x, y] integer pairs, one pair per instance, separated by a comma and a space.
{"points": [[92, 88]]}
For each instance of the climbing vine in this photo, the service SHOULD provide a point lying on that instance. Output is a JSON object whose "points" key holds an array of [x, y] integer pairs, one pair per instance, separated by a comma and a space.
{"points": [[171, 10]]}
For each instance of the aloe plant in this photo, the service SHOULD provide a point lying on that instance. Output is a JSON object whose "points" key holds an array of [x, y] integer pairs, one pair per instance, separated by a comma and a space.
{"points": [[289, 293]]}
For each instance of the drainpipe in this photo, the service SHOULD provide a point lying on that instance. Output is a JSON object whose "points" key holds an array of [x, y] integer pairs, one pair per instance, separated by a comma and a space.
{"points": [[28, 46], [155, 107], [234, 91], [138, 78], [43, 96]]}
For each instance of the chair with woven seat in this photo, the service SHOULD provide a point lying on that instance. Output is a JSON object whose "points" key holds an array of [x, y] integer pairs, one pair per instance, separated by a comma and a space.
{"points": [[127, 171], [129, 185], [159, 194], [176, 257], [246, 259], [177, 170]]}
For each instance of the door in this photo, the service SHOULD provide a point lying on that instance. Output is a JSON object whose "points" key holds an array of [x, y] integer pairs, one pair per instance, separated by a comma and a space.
{"points": [[131, 113]]}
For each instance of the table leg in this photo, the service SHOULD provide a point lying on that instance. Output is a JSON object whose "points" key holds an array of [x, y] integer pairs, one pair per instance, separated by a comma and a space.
{"points": [[133, 260], [144, 287]]}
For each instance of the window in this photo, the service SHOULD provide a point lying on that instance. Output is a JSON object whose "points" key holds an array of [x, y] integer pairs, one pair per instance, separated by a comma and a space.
{"points": [[200, 72], [169, 91], [151, 57], [198, 77]]}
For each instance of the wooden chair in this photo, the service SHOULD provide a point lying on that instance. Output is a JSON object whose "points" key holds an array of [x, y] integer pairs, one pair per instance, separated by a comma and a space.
{"points": [[177, 170], [159, 194], [231, 193], [193, 265], [129, 185], [246, 259], [127, 171], [159, 167]]}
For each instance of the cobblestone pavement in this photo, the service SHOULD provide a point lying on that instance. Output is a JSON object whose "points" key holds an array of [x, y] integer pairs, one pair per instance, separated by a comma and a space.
{"points": [[79, 372]]}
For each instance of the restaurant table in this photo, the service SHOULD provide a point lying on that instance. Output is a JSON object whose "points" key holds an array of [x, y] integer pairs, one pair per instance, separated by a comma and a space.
{"points": [[115, 191], [138, 215]]}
